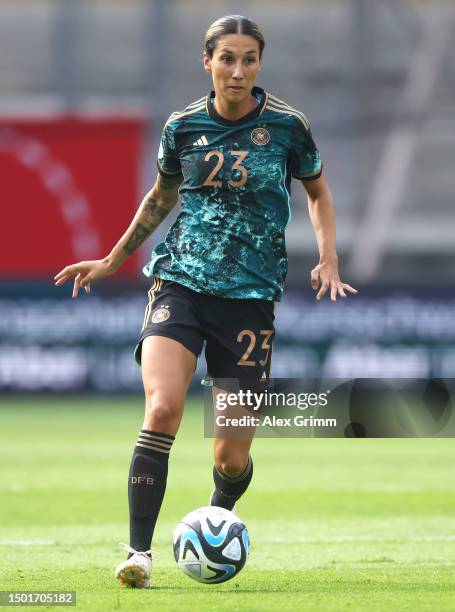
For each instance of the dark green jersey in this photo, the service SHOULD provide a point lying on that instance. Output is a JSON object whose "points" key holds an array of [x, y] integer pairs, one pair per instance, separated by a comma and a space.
{"points": [[228, 239]]}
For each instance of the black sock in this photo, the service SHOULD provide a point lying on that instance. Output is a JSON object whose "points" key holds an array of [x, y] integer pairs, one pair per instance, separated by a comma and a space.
{"points": [[147, 484], [228, 490]]}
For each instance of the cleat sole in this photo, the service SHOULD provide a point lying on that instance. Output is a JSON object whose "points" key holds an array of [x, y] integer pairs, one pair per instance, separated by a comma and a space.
{"points": [[132, 577]]}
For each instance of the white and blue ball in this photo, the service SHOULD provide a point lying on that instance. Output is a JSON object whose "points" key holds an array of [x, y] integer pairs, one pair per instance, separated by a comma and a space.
{"points": [[211, 545]]}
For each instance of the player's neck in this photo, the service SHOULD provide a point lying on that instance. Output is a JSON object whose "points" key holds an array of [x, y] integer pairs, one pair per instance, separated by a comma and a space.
{"points": [[234, 111]]}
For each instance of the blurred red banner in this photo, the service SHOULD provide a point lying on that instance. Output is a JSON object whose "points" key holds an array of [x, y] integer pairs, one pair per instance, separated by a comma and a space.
{"points": [[69, 189]]}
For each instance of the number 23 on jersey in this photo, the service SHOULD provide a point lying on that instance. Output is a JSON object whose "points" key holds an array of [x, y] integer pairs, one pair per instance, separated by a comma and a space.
{"points": [[213, 181]]}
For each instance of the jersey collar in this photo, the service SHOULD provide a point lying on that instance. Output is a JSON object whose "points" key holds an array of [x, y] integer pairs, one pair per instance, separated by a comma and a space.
{"points": [[258, 92]]}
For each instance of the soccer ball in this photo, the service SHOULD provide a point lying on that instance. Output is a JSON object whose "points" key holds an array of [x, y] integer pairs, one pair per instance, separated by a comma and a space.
{"points": [[211, 545]]}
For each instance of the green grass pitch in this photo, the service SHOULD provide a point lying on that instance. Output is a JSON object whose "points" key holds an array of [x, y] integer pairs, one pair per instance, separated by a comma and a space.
{"points": [[335, 524]]}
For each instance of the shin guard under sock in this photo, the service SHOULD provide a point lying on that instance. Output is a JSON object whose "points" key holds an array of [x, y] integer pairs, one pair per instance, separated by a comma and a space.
{"points": [[147, 484], [228, 490]]}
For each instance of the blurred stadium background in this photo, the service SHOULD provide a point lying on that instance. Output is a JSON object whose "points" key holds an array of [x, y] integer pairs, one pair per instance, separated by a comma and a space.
{"points": [[85, 88]]}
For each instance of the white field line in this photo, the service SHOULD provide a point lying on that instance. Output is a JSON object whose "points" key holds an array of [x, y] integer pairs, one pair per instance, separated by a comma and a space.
{"points": [[283, 540], [368, 488], [27, 542]]}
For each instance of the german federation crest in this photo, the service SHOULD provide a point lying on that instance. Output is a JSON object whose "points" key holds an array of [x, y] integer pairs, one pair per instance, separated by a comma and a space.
{"points": [[160, 315], [260, 136]]}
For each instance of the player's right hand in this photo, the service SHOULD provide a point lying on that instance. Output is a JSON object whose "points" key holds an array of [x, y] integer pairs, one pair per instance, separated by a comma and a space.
{"points": [[84, 272]]}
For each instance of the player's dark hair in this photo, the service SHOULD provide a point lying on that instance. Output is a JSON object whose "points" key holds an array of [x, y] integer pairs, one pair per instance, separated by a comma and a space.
{"points": [[232, 24]]}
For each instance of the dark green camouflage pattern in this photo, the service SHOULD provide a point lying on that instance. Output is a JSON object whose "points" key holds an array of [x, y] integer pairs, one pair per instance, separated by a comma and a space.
{"points": [[228, 239]]}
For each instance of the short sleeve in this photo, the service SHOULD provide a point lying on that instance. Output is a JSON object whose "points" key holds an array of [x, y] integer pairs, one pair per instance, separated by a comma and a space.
{"points": [[168, 161], [304, 158]]}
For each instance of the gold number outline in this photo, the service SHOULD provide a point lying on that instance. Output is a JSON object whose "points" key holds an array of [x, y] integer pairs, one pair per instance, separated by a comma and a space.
{"points": [[244, 361], [238, 166], [265, 344], [210, 181]]}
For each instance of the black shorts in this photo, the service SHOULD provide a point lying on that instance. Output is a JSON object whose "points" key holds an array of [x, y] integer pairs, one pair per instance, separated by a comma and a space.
{"points": [[238, 333]]}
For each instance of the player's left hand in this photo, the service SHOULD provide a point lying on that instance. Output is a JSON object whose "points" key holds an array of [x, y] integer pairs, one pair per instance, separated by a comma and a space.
{"points": [[325, 277]]}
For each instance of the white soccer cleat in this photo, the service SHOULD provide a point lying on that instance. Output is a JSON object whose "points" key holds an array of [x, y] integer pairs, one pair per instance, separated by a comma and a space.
{"points": [[135, 571]]}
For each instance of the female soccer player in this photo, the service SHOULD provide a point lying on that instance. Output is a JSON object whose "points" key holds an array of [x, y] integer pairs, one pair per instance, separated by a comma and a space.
{"points": [[230, 156]]}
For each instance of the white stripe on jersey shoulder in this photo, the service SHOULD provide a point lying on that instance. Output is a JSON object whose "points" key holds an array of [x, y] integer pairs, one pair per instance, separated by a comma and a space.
{"points": [[288, 111], [278, 105], [195, 103], [189, 110], [190, 106], [281, 103]]}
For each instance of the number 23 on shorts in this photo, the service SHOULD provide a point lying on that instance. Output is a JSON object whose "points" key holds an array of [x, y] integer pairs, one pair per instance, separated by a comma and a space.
{"points": [[249, 336]]}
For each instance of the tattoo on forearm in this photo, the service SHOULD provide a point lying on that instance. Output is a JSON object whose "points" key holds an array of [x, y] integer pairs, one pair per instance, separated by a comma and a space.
{"points": [[151, 216], [154, 209], [139, 235]]}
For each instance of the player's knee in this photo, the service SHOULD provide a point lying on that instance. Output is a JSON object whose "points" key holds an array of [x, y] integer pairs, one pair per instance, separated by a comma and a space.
{"points": [[231, 465], [162, 412]]}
